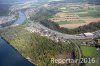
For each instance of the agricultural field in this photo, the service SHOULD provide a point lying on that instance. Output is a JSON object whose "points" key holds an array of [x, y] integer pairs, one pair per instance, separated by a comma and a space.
{"points": [[72, 15], [71, 22], [91, 52], [88, 51]]}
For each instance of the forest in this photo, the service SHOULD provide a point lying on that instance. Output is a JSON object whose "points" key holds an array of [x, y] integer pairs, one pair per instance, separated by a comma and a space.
{"points": [[39, 50]]}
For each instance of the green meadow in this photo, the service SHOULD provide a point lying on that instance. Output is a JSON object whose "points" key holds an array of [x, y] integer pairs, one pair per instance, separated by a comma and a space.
{"points": [[71, 22]]}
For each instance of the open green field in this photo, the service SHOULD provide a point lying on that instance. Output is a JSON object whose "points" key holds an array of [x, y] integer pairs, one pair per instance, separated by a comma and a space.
{"points": [[91, 12], [71, 22], [80, 9], [88, 51], [53, 16], [94, 14], [91, 52]]}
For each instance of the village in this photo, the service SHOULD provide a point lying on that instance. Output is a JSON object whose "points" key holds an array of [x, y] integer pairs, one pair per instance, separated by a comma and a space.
{"points": [[88, 39], [6, 19]]}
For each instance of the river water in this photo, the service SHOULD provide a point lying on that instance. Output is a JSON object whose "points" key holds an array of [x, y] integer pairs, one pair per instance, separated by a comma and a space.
{"points": [[21, 18], [8, 55]]}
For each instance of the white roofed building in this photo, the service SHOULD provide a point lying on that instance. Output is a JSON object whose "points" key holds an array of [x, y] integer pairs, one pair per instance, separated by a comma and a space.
{"points": [[89, 35]]}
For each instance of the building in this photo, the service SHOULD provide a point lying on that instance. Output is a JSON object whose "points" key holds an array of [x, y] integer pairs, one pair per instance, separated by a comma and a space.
{"points": [[89, 35]]}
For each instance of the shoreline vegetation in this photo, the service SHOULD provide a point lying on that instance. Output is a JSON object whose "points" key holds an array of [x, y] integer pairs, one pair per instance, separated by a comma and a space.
{"points": [[39, 50], [10, 22], [7, 23]]}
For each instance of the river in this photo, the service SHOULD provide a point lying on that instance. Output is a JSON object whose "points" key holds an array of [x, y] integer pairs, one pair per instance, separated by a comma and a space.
{"points": [[9, 56], [21, 18]]}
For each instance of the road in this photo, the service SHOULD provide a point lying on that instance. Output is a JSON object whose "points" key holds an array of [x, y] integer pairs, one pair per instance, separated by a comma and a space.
{"points": [[39, 26], [79, 51]]}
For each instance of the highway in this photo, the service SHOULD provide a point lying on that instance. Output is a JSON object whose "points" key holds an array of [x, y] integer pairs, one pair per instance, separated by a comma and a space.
{"points": [[39, 26]]}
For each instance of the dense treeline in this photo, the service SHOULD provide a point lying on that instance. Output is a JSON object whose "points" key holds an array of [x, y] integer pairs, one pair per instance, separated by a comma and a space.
{"points": [[43, 14], [82, 29], [38, 49]]}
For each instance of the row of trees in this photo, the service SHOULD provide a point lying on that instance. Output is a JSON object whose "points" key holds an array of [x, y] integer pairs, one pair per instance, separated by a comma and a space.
{"points": [[82, 29]]}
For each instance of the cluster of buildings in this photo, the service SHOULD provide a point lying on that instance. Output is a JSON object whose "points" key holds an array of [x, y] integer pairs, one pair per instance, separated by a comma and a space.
{"points": [[5, 19], [88, 39], [21, 6], [45, 32], [91, 39], [29, 12]]}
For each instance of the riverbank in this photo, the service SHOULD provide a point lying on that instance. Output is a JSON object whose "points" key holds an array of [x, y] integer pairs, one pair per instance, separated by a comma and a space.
{"points": [[20, 18], [9, 55], [15, 55], [38, 49]]}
